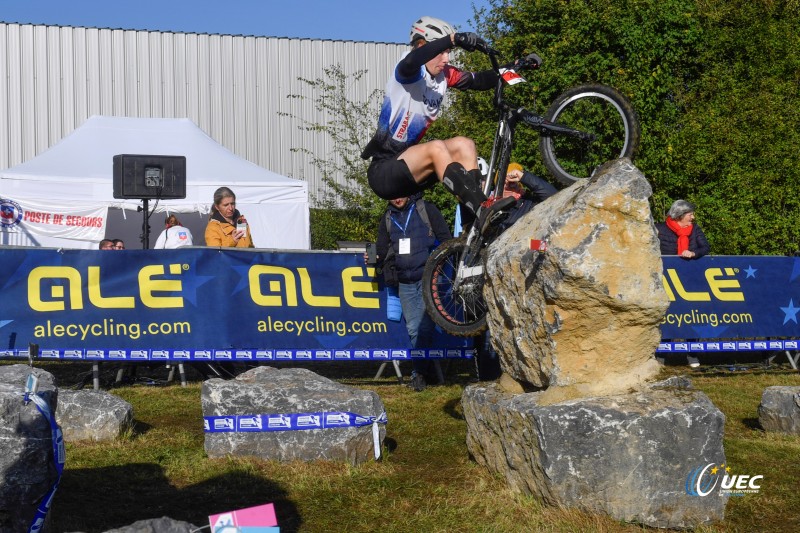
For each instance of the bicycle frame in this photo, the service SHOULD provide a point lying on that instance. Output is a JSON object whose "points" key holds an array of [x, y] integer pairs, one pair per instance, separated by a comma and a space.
{"points": [[454, 274], [508, 118], [504, 133], [499, 159]]}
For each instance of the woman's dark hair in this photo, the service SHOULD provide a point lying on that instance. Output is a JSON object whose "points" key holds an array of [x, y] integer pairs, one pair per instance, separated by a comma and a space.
{"points": [[172, 220]]}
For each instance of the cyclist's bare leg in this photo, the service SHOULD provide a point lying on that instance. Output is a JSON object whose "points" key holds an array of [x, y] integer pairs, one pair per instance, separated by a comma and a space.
{"points": [[434, 157], [449, 160]]}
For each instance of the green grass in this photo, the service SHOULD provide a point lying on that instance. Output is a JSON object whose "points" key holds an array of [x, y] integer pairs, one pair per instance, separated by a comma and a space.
{"points": [[750, 450], [425, 482]]}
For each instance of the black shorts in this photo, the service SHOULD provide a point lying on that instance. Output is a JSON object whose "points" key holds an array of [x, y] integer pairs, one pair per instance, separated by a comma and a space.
{"points": [[390, 178]]}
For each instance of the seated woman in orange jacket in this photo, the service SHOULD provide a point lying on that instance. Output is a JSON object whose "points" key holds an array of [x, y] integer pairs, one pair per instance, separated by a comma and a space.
{"points": [[226, 226]]}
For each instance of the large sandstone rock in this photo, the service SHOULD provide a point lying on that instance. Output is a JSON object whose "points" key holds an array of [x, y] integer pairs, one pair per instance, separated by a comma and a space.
{"points": [[580, 319], [266, 390], [627, 456], [780, 409], [27, 471], [92, 415]]}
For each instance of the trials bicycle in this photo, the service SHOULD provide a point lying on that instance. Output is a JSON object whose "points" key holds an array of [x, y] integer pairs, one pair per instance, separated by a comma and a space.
{"points": [[583, 128]]}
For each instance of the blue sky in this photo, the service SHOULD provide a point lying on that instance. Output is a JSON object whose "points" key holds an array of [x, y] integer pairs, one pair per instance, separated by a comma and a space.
{"points": [[359, 20]]}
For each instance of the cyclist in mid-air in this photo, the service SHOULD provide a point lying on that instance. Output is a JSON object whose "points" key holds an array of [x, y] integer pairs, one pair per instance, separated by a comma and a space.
{"points": [[401, 164]]}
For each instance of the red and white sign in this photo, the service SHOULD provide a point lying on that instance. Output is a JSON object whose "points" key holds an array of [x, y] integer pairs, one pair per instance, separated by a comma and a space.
{"points": [[511, 77], [82, 221], [538, 245]]}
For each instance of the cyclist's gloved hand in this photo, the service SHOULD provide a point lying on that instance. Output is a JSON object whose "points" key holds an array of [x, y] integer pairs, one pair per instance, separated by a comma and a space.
{"points": [[469, 41], [533, 60]]}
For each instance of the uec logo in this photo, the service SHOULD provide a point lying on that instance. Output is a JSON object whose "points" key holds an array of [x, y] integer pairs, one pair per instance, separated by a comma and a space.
{"points": [[703, 480]]}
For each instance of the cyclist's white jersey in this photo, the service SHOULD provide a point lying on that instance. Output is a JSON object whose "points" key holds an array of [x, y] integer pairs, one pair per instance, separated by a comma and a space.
{"points": [[409, 107]]}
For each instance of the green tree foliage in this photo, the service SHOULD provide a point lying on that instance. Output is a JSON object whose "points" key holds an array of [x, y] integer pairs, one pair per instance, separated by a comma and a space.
{"points": [[342, 119], [335, 224], [715, 84], [738, 148]]}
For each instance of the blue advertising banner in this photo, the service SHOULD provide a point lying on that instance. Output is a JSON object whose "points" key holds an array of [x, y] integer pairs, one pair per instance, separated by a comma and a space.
{"points": [[199, 304], [207, 304], [720, 303]]}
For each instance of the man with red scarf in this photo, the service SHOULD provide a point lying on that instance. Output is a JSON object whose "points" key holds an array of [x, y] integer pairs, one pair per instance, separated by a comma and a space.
{"points": [[679, 235]]}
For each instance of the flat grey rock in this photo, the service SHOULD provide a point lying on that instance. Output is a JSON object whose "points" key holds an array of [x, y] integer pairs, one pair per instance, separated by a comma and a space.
{"points": [[157, 525], [266, 390]]}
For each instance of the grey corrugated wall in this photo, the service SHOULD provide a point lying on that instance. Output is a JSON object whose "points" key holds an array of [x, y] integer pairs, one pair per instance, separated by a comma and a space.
{"points": [[52, 78]]}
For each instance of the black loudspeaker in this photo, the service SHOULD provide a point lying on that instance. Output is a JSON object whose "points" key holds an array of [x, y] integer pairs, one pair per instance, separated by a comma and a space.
{"points": [[149, 176]]}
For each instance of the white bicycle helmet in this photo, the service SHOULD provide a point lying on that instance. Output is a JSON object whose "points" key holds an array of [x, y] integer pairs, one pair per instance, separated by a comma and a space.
{"points": [[430, 29]]}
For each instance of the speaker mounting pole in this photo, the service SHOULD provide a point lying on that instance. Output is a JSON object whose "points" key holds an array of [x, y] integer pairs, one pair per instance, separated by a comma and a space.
{"points": [[145, 236]]}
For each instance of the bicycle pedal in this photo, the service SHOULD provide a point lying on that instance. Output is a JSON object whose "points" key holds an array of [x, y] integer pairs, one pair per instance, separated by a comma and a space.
{"points": [[495, 206], [492, 209]]}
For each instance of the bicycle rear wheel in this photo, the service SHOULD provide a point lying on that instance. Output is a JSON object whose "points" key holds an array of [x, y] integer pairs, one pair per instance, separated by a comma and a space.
{"points": [[595, 109], [462, 311]]}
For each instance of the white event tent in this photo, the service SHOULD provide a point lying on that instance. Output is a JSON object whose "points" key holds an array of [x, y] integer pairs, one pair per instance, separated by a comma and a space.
{"points": [[64, 196]]}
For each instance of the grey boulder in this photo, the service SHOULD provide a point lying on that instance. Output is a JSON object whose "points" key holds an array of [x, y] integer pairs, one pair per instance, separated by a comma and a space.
{"points": [[92, 415], [269, 391], [628, 456], [27, 470], [582, 318], [779, 410]]}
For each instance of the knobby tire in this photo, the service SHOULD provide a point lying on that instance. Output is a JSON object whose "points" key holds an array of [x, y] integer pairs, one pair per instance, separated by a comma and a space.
{"points": [[596, 109], [462, 314]]}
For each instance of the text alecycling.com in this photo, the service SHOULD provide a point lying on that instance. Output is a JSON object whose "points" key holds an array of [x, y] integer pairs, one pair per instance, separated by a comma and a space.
{"points": [[318, 325], [695, 317], [109, 328]]}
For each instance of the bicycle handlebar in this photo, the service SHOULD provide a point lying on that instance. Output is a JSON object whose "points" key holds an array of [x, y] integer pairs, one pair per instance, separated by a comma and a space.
{"points": [[530, 61]]}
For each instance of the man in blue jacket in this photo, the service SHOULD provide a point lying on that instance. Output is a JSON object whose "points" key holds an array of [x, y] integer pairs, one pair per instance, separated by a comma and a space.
{"points": [[407, 233]]}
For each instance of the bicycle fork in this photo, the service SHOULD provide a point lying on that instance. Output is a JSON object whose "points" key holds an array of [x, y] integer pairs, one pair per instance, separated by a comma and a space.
{"points": [[468, 265]]}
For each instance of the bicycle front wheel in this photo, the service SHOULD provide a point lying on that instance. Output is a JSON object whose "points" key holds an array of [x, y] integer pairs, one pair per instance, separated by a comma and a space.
{"points": [[605, 127], [458, 308]]}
